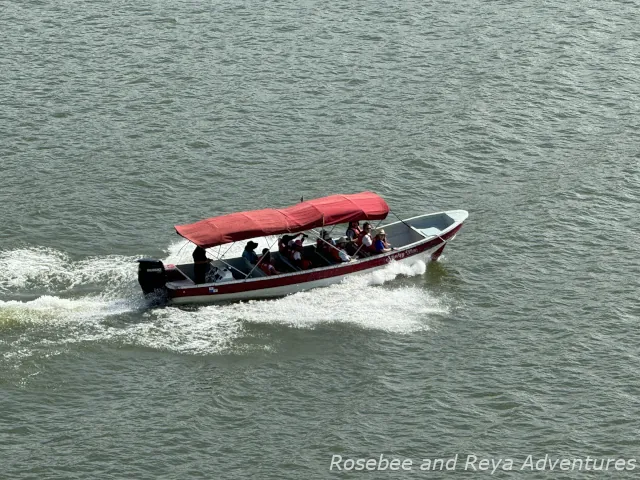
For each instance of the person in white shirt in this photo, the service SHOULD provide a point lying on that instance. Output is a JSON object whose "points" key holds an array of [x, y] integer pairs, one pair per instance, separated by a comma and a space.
{"points": [[365, 240], [340, 253]]}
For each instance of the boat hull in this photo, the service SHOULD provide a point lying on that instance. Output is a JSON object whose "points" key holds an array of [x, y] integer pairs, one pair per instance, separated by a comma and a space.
{"points": [[285, 289], [282, 285]]}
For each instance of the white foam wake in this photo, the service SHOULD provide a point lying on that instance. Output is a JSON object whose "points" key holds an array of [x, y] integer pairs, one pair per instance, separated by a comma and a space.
{"points": [[53, 309], [366, 301], [27, 269]]}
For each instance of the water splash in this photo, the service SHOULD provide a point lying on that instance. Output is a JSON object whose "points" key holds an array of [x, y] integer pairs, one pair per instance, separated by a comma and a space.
{"points": [[363, 301], [26, 266], [40, 269]]}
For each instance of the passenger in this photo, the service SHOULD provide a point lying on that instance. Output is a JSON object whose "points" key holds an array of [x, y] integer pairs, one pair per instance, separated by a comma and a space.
{"points": [[283, 244], [366, 242], [380, 244], [325, 243], [297, 256], [351, 247], [338, 253], [294, 238], [249, 253], [353, 232], [200, 265], [199, 255], [266, 264]]}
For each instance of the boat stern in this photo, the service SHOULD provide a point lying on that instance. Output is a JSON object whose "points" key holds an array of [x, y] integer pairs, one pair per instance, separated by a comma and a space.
{"points": [[152, 277]]}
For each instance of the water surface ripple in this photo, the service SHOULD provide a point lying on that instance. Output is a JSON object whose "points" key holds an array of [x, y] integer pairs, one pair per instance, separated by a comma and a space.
{"points": [[122, 119]]}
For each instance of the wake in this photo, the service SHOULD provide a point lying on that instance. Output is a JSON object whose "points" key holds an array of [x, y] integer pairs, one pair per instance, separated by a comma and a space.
{"points": [[98, 300]]}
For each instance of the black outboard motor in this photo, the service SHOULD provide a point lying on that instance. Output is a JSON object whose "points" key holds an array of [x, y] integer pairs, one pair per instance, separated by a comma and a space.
{"points": [[152, 276]]}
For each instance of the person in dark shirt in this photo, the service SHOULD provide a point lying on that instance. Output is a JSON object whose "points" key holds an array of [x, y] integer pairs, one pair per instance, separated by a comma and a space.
{"points": [[353, 232], [200, 263], [249, 252]]}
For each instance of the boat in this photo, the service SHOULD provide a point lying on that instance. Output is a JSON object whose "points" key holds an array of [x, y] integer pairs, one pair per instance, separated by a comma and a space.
{"points": [[235, 279]]}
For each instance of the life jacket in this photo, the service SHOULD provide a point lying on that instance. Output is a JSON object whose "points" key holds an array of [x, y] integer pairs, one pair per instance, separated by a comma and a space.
{"points": [[370, 248], [301, 262], [335, 254], [265, 267], [356, 231], [325, 245]]}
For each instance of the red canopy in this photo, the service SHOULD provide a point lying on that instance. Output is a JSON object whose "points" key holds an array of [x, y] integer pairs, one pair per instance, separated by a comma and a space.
{"points": [[303, 216]]}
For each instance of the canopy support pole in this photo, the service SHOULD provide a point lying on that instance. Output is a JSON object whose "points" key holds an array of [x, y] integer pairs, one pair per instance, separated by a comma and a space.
{"points": [[324, 241], [182, 248]]}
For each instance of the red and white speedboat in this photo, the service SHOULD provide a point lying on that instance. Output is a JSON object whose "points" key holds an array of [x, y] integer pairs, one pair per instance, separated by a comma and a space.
{"points": [[236, 279]]}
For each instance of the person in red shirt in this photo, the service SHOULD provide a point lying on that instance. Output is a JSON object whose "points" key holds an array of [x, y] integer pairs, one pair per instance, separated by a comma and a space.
{"points": [[297, 256], [265, 264]]}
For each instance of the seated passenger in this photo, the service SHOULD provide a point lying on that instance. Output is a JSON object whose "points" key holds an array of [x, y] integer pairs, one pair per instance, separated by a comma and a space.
{"points": [[353, 237], [283, 244], [249, 253], [286, 244], [353, 232], [266, 264], [366, 242], [380, 244], [338, 253], [294, 238], [297, 256], [325, 242]]}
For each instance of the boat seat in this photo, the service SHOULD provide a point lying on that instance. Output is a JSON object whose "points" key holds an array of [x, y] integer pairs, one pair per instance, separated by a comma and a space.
{"points": [[255, 272], [187, 270], [240, 267], [308, 252], [325, 258], [235, 265], [311, 253], [430, 232], [283, 264]]}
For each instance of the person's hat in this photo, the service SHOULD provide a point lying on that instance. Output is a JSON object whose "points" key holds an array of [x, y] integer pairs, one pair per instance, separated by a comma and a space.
{"points": [[251, 245], [382, 232], [342, 240]]}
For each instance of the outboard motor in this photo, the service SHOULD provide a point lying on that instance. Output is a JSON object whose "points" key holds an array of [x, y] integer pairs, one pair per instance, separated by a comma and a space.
{"points": [[152, 276]]}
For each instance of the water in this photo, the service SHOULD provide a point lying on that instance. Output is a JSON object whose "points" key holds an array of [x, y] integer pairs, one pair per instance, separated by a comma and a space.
{"points": [[119, 121]]}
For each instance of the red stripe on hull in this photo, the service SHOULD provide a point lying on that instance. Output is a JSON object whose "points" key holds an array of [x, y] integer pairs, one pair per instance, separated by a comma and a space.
{"points": [[436, 255]]}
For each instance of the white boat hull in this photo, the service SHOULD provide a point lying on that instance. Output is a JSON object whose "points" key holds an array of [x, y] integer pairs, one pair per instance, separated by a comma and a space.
{"points": [[285, 290], [423, 237]]}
